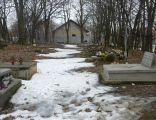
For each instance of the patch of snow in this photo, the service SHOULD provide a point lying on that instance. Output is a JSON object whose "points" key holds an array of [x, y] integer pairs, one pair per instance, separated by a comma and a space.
{"points": [[71, 46], [61, 53]]}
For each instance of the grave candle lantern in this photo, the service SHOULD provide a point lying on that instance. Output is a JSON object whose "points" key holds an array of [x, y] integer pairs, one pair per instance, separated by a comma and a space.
{"points": [[12, 60]]}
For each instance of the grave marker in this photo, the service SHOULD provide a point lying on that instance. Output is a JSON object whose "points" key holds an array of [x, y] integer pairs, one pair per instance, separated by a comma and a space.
{"points": [[148, 59]]}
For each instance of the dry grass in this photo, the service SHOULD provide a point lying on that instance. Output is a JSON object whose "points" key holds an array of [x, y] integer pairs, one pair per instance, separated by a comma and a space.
{"points": [[26, 52]]}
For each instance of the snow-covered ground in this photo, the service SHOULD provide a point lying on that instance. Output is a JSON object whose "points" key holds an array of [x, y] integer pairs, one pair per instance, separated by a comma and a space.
{"points": [[71, 46], [56, 92], [61, 53]]}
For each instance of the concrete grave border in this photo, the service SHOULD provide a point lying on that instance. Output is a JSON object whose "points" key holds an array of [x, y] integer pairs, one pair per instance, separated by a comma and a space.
{"points": [[7, 93], [24, 71], [131, 73]]}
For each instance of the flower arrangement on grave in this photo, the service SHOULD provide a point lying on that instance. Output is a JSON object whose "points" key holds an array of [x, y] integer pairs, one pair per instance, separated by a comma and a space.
{"points": [[101, 54], [107, 56], [119, 53]]}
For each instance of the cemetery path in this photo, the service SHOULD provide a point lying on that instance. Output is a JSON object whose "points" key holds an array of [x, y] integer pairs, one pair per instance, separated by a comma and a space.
{"points": [[57, 92]]}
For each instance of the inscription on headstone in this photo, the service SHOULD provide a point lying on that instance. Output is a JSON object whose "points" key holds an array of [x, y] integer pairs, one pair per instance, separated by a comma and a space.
{"points": [[148, 59]]}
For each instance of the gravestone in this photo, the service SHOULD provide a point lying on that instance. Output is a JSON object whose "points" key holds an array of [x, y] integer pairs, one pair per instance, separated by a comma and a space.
{"points": [[148, 59], [24, 71], [125, 73], [8, 86], [5, 78]]}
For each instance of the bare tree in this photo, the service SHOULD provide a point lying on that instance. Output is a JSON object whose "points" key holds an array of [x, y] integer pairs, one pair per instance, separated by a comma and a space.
{"points": [[66, 16], [82, 16], [52, 8], [4, 12], [35, 10], [124, 20], [151, 10]]}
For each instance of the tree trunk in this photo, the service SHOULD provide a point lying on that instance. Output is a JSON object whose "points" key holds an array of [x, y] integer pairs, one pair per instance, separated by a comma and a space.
{"points": [[151, 10], [33, 34], [67, 36], [19, 6], [0, 29], [5, 32], [46, 27], [82, 35]]}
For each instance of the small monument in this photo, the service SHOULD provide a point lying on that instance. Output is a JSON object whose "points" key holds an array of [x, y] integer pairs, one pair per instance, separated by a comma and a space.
{"points": [[8, 86], [21, 69], [124, 73]]}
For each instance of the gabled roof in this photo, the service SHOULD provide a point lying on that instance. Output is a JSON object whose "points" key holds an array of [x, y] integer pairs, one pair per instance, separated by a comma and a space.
{"points": [[66, 23]]}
